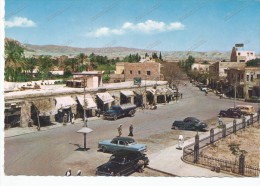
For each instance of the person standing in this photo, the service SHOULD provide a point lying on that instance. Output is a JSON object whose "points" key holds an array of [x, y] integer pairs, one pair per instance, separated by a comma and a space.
{"points": [[68, 172], [131, 129], [72, 118], [220, 122], [181, 95], [85, 122], [119, 129], [65, 119], [79, 173]]}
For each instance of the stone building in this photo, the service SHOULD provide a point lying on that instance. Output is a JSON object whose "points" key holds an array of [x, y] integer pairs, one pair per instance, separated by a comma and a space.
{"points": [[241, 55], [246, 81]]}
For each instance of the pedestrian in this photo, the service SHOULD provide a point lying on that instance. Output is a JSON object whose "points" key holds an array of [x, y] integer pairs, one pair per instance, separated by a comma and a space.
{"points": [[85, 122], [119, 129], [65, 119], [181, 95], [79, 173], [131, 129], [68, 172], [72, 118], [180, 142], [220, 122]]}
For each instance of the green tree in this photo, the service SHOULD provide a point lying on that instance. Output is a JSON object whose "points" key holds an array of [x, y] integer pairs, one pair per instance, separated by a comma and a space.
{"points": [[160, 56], [14, 60], [253, 63], [45, 65], [30, 65]]}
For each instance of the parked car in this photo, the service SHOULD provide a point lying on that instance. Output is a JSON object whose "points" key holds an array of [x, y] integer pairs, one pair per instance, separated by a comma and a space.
{"points": [[190, 123], [246, 109], [117, 111], [121, 143], [123, 163], [231, 113]]}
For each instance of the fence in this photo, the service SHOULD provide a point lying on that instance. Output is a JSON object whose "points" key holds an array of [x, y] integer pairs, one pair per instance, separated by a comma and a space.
{"points": [[191, 152]]}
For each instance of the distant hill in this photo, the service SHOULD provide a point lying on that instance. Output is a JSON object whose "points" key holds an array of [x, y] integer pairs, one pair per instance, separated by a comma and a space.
{"points": [[113, 52]]}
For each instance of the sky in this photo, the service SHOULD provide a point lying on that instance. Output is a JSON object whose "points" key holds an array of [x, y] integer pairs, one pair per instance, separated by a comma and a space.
{"points": [[165, 25]]}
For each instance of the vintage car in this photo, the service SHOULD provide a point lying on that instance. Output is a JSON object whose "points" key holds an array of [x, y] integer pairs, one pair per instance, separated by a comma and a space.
{"points": [[231, 113], [117, 111], [246, 109], [123, 163], [121, 143], [190, 123]]}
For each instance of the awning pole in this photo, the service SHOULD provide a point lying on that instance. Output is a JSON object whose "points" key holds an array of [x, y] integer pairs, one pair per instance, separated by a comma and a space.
{"points": [[85, 141]]}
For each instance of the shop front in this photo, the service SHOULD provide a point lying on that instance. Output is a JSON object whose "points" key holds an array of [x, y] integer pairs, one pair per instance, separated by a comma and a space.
{"points": [[104, 101], [127, 97], [66, 106], [89, 105]]}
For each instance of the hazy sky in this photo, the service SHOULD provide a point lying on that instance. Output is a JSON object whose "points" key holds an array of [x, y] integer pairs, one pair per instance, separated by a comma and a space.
{"points": [[149, 24]]}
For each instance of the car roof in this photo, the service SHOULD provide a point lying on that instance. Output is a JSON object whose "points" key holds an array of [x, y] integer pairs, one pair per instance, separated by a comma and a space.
{"points": [[193, 118], [124, 152], [124, 139]]}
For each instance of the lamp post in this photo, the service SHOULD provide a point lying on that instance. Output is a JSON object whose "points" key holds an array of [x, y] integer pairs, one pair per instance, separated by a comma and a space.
{"points": [[84, 109]]}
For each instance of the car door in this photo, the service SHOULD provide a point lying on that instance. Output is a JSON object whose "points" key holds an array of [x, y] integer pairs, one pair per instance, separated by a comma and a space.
{"points": [[121, 144], [113, 145]]}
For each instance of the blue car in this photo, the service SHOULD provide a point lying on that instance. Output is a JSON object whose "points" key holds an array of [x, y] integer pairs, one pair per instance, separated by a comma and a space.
{"points": [[119, 143]]}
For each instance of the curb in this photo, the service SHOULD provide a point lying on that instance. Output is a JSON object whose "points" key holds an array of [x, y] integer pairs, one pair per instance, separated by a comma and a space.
{"points": [[148, 167]]}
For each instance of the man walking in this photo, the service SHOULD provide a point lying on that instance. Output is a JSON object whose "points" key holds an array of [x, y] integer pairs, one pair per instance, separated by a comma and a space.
{"points": [[119, 129], [131, 129], [68, 172], [85, 122]]}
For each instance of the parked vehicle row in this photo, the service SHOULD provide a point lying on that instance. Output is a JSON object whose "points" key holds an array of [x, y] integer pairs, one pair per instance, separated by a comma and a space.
{"points": [[238, 111]]}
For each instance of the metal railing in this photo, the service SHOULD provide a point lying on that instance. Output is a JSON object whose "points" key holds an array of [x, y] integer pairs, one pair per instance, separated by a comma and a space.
{"points": [[191, 152]]}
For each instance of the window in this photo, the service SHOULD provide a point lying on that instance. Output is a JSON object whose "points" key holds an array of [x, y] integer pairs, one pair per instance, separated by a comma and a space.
{"points": [[139, 72], [258, 76], [247, 77], [238, 53], [121, 143], [252, 78], [148, 73], [242, 61], [131, 72]]}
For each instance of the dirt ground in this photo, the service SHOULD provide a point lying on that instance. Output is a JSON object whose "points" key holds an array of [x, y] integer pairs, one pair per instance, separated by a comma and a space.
{"points": [[248, 140]]}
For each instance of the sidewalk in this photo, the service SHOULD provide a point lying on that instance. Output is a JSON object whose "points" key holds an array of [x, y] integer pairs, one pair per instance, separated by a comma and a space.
{"points": [[17, 131], [169, 160]]}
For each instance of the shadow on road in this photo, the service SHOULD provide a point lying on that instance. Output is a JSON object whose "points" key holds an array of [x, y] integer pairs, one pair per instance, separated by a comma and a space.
{"points": [[81, 148]]}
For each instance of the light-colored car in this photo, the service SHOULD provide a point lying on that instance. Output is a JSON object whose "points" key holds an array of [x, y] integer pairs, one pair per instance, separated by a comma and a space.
{"points": [[119, 143], [246, 109]]}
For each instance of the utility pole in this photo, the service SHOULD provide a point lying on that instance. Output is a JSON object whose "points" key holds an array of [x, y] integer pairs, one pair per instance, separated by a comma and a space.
{"points": [[235, 95], [84, 109]]}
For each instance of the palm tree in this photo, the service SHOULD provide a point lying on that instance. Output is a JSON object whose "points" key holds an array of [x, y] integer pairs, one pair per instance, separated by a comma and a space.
{"points": [[14, 59], [81, 57]]}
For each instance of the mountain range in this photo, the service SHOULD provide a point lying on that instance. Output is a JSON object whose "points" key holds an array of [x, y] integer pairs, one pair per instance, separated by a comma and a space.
{"points": [[113, 52]]}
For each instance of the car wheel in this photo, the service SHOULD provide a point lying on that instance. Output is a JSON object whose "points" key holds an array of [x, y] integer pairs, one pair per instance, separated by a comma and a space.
{"points": [[115, 117], [104, 149], [131, 113]]}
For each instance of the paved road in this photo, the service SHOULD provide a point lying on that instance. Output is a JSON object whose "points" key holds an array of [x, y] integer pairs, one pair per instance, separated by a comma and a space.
{"points": [[52, 152]]}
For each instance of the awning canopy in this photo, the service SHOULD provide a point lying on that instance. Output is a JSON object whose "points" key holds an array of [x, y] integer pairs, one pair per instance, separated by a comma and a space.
{"points": [[64, 102], [153, 91], [85, 130], [105, 97], [45, 107], [127, 93], [90, 103]]}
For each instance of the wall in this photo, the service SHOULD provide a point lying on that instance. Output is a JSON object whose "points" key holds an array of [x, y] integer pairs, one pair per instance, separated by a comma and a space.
{"points": [[153, 67]]}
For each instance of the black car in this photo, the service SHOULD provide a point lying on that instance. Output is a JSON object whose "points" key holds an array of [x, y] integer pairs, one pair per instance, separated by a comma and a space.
{"points": [[189, 123], [117, 111], [123, 163], [231, 113]]}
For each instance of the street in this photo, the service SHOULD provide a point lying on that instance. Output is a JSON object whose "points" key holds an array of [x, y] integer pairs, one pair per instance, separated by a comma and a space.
{"points": [[52, 152]]}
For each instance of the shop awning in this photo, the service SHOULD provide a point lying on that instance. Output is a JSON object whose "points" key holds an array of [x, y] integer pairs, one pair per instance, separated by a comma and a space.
{"points": [[64, 102], [170, 91], [90, 103], [105, 97], [45, 107], [162, 91], [153, 91], [127, 93]]}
